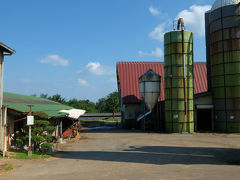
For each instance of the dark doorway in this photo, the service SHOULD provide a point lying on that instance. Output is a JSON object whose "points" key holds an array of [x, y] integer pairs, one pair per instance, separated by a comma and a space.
{"points": [[204, 120]]}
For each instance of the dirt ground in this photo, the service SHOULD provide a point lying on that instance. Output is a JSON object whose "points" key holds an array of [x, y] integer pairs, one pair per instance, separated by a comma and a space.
{"points": [[129, 155]]}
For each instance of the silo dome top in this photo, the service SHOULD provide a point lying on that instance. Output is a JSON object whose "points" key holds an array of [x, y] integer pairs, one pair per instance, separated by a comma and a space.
{"points": [[222, 3]]}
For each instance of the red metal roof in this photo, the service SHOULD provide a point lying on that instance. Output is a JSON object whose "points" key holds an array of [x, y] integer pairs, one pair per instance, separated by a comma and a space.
{"points": [[129, 72]]}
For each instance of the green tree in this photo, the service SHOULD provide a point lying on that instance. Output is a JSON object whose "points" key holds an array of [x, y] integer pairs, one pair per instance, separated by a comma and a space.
{"points": [[57, 98], [109, 104], [41, 133], [45, 96], [87, 105]]}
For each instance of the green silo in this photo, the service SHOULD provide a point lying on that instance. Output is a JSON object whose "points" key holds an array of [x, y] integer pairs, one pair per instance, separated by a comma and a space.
{"points": [[223, 57], [179, 91]]}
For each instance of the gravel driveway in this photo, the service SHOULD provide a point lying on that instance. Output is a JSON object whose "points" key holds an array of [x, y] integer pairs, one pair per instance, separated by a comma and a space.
{"points": [[126, 155]]}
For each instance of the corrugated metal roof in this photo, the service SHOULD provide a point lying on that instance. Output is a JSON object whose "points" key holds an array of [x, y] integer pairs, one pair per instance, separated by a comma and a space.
{"points": [[21, 103], [129, 72]]}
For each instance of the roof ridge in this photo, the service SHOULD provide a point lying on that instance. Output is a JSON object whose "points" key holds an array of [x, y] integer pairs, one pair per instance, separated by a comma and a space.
{"points": [[144, 62]]}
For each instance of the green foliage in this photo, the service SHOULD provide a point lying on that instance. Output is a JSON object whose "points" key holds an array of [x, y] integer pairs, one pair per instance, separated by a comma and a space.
{"points": [[21, 140], [41, 123], [40, 115], [23, 155], [57, 98], [6, 167], [109, 103], [37, 139], [48, 138], [45, 96], [49, 129], [87, 105], [46, 147], [41, 133]]}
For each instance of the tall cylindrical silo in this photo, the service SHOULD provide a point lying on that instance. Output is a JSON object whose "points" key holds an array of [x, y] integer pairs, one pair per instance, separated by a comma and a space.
{"points": [[179, 107], [224, 43]]}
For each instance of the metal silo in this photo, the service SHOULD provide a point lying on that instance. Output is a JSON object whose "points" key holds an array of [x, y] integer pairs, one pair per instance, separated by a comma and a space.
{"points": [[178, 69], [150, 84], [223, 32], [150, 89]]}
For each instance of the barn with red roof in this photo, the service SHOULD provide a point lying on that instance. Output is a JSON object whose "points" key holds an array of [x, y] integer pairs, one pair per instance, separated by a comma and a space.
{"points": [[128, 74]]}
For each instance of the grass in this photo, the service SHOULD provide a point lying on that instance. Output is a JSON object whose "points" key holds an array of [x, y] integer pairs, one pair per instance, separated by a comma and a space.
{"points": [[101, 120], [6, 167], [24, 155]]}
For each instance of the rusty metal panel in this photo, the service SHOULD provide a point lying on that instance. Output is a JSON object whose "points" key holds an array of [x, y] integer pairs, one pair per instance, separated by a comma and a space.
{"points": [[216, 47], [216, 25], [231, 33], [232, 45], [215, 37]]}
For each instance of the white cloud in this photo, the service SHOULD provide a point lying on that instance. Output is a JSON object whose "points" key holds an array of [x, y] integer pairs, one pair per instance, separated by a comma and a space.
{"points": [[97, 69], [154, 11], [194, 19], [55, 60], [82, 82], [158, 52], [26, 81], [158, 32]]}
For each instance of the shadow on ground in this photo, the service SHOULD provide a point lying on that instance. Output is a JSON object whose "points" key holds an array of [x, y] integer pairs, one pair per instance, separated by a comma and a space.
{"points": [[111, 130], [160, 155]]}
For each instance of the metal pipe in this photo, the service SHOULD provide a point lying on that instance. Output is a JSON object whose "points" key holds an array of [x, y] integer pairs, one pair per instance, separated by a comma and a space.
{"points": [[181, 22], [4, 111], [30, 134]]}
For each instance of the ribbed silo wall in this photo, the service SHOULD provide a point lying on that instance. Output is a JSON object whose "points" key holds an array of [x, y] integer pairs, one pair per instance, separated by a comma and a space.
{"points": [[224, 26], [208, 56], [175, 118]]}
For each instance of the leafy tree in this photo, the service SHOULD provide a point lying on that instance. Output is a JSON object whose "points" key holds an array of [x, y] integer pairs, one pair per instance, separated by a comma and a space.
{"points": [[45, 96], [41, 133], [57, 98], [101, 105], [109, 104], [87, 105]]}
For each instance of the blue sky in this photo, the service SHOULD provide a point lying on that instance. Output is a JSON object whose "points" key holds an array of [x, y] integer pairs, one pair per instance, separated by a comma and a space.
{"points": [[71, 47]]}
